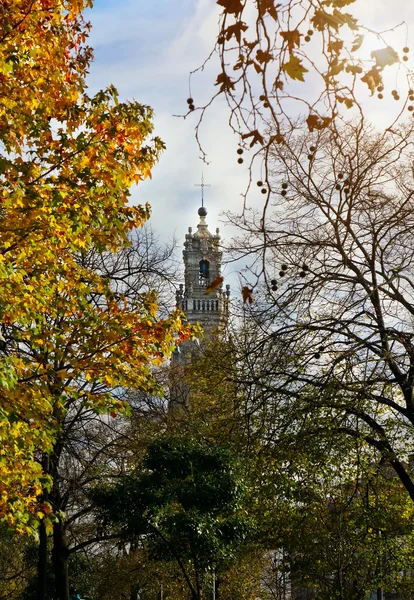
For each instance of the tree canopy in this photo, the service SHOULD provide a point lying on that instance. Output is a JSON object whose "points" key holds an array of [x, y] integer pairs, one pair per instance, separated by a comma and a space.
{"points": [[290, 457], [67, 162], [187, 501]]}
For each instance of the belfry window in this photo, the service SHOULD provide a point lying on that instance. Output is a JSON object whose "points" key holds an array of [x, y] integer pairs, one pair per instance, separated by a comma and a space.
{"points": [[204, 273]]}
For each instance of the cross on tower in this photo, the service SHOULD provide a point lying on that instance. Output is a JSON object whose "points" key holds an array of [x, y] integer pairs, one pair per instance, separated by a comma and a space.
{"points": [[202, 185]]}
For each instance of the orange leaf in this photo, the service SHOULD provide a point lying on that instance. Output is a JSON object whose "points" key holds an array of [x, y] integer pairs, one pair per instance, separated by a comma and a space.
{"points": [[335, 67], [278, 138], [354, 69], [263, 57], [268, 6], [324, 20], [357, 43], [335, 46], [373, 79], [317, 122], [250, 45], [347, 101], [214, 285], [224, 81]]}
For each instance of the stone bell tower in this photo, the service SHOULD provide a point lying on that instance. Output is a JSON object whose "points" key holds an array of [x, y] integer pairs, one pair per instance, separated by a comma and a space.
{"points": [[202, 266], [208, 307]]}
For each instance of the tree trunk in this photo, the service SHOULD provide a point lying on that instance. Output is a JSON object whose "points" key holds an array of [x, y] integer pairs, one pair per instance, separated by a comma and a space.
{"points": [[217, 588], [60, 555], [340, 584], [42, 563], [135, 592]]}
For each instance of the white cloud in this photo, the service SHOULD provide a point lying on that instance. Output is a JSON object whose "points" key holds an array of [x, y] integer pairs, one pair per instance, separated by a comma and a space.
{"points": [[149, 57], [147, 50]]}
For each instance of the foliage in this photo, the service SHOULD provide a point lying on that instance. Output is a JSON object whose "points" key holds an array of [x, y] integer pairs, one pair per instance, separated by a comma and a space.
{"points": [[17, 566], [88, 446], [208, 404], [326, 512], [243, 580], [187, 501], [67, 162], [350, 537], [326, 358]]}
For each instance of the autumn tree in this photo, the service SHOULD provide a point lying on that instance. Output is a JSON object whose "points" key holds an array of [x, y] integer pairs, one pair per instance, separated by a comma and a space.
{"points": [[326, 512], [124, 571], [86, 445], [345, 532], [353, 541], [330, 355], [329, 510], [17, 563], [67, 163]]}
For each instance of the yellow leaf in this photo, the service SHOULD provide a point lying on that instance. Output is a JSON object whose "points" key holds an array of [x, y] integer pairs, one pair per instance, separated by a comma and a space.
{"points": [[294, 68]]}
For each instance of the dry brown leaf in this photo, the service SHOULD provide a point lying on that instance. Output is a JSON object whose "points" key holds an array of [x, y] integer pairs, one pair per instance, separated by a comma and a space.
{"points": [[247, 295]]}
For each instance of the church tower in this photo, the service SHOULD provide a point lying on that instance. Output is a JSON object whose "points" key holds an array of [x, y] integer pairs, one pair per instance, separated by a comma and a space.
{"points": [[209, 307], [202, 257]]}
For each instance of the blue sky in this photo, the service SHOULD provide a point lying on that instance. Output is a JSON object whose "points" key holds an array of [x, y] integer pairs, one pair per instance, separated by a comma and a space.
{"points": [[147, 49]]}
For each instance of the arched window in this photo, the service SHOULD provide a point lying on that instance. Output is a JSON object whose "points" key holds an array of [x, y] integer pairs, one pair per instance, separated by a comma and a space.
{"points": [[204, 271]]}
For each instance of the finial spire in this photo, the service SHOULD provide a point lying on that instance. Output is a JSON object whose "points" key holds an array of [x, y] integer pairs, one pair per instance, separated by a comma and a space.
{"points": [[202, 185]]}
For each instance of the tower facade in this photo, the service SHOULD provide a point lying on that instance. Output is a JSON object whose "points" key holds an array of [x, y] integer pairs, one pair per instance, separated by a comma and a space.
{"points": [[208, 306], [202, 258]]}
